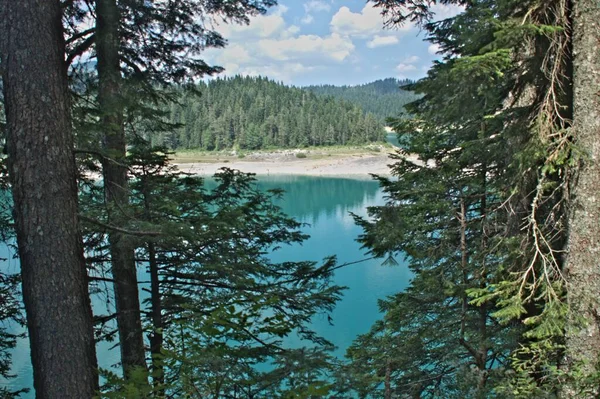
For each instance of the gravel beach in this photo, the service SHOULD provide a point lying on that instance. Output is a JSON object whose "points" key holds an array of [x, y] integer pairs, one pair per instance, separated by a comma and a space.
{"points": [[287, 163]]}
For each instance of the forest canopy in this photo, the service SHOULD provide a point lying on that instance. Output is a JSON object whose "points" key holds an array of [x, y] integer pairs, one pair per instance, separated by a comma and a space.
{"points": [[253, 113], [384, 98]]}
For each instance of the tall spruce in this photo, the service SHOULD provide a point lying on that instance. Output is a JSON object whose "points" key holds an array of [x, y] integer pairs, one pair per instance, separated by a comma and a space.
{"points": [[443, 214], [42, 174], [139, 46], [211, 284], [114, 170], [217, 307], [513, 61]]}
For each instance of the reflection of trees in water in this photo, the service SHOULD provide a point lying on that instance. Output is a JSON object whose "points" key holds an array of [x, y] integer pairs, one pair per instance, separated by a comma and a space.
{"points": [[308, 197]]}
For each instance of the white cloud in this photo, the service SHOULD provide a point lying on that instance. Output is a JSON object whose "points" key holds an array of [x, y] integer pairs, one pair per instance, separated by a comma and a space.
{"points": [[403, 68], [234, 54], [413, 59], [379, 41], [231, 68], [260, 26], [291, 31], [270, 46], [334, 47], [280, 10], [408, 68], [363, 24], [444, 11], [307, 19], [316, 5], [279, 72], [433, 49]]}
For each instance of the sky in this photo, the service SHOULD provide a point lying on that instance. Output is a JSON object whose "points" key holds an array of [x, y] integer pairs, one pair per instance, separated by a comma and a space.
{"points": [[339, 42]]}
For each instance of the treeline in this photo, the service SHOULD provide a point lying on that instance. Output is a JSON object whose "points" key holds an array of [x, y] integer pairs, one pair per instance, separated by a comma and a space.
{"points": [[254, 112], [384, 98]]}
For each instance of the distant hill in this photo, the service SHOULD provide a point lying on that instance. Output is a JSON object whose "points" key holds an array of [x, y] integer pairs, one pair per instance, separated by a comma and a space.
{"points": [[383, 98], [255, 113]]}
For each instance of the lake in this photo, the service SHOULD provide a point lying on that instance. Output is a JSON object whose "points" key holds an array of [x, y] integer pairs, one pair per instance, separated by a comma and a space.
{"points": [[324, 204]]}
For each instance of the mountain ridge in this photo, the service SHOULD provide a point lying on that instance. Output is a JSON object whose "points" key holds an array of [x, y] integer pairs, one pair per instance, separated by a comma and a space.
{"points": [[384, 98]]}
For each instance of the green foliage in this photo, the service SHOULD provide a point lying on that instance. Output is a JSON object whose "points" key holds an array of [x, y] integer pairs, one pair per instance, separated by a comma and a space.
{"points": [[10, 318], [480, 214], [161, 42], [251, 113], [136, 387], [224, 307], [383, 98]]}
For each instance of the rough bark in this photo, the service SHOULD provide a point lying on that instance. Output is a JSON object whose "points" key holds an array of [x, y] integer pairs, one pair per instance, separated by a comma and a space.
{"points": [[116, 186], [583, 260], [42, 173]]}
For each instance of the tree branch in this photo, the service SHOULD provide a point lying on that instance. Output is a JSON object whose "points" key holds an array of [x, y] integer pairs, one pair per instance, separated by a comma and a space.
{"points": [[81, 48], [119, 229]]}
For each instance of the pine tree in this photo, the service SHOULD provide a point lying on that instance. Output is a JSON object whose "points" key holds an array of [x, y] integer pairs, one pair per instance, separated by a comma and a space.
{"points": [[115, 179], [42, 174], [140, 46], [496, 155], [218, 307]]}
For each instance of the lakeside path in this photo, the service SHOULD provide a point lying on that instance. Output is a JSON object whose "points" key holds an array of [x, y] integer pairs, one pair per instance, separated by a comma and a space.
{"points": [[358, 165]]}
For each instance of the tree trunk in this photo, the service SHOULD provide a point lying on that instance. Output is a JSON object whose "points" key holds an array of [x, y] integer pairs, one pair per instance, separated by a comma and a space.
{"points": [[116, 186], [42, 173], [583, 265], [156, 337], [483, 278], [387, 382]]}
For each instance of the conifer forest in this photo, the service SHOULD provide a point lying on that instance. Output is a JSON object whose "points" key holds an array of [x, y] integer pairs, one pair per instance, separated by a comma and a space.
{"points": [[491, 203], [255, 113], [383, 98]]}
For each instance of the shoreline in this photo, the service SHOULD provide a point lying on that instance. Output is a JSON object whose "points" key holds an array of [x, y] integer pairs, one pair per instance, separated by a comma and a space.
{"points": [[357, 166]]}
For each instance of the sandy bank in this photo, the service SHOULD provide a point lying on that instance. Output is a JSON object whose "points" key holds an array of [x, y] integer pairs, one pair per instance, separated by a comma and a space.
{"points": [[356, 166]]}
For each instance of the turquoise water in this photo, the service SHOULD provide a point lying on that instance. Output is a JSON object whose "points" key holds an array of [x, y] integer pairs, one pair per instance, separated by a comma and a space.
{"points": [[324, 204]]}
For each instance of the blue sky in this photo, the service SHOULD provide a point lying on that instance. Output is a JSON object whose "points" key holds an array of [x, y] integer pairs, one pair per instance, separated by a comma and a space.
{"points": [[325, 42]]}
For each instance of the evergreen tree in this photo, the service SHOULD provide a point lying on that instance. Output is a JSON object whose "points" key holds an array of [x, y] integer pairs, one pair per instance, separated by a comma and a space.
{"points": [[495, 144], [10, 314], [42, 174], [115, 180], [218, 308], [139, 46]]}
